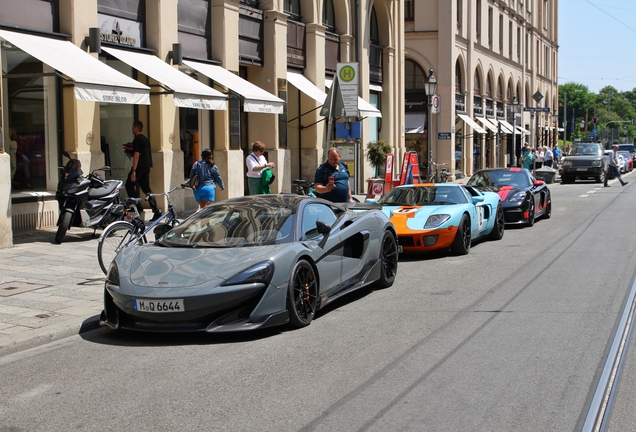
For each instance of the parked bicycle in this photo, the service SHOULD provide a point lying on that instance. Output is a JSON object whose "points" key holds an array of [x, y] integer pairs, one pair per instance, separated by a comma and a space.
{"points": [[303, 187], [133, 230], [440, 174]]}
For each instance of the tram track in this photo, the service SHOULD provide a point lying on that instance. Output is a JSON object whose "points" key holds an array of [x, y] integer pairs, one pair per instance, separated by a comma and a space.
{"points": [[599, 413]]}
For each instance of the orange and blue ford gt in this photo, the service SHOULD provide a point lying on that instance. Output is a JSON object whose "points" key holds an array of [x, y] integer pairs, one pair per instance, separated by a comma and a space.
{"points": [[430, 217]]}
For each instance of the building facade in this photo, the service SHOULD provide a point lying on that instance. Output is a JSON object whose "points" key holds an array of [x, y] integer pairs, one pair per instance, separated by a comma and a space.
{"points": [[496, 65], [216, 74]]}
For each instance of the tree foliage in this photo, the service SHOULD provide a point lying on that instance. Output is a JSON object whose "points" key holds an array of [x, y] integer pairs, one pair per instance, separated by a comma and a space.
{"points": [[615, 112]]}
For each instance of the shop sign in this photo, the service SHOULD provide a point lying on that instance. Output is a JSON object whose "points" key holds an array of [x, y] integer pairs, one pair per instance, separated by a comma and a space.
{"points": [[120, 31]]}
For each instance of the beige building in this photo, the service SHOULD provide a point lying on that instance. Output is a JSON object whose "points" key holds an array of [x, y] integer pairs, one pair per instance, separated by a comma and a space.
{"points": [[496, 65], [216, 74]]}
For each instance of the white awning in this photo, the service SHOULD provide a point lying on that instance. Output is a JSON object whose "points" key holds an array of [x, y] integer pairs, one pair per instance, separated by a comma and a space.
{"points": [[506, 127], [92, 79], [255, 98], [414, 123], [304, 85], [522, 130], [487, 123], [471, 123], [375, 87], [188, 92], [365, 109]]}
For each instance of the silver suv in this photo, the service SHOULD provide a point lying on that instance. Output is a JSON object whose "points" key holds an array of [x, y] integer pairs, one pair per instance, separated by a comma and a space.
{"points": [[584, 161]]}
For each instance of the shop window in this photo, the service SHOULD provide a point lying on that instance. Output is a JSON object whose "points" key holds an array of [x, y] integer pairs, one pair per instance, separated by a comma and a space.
{"points": [[250, 34], [31, 98], [189, 137]]}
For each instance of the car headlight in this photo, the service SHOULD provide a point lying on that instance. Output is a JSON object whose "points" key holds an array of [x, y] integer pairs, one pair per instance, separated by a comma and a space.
{"points": [[518, 197], [434, 221], [112, 277], [567, 164], [596, 163], [259, 273]]}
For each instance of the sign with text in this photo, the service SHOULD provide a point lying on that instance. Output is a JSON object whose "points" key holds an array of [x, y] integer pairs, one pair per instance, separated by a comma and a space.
{"points": [[347, 74], [444, 135]]}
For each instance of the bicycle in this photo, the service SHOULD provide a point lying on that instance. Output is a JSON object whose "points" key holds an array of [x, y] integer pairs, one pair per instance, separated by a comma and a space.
{"points": [[121, 234], [440, 171], [303, 187]]}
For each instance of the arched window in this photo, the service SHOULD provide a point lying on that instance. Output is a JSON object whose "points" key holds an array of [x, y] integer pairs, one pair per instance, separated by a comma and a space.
{"points": [[292, 7], [458, 78], [499, 90], [488, 87], [477, 84], [414, 76], [328, 16], [374, 32]]}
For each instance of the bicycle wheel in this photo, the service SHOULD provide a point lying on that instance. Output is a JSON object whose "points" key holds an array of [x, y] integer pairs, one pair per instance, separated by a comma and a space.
{"points": [[115, 237]]}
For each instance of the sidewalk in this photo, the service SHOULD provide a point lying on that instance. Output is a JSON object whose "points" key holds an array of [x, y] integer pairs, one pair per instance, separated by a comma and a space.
{"points": [[48, 291]]}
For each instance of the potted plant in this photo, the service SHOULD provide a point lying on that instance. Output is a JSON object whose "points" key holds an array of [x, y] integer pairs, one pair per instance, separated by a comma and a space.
{"points": [[376, 154]]}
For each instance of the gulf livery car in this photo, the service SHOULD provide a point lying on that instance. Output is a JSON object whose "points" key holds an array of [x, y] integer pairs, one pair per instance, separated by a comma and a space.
{"points": [[524, 198], [250, 262], [429, 217]]}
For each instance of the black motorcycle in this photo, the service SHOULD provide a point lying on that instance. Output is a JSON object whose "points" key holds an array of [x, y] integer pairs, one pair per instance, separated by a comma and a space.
{"points": [[86, 201]]}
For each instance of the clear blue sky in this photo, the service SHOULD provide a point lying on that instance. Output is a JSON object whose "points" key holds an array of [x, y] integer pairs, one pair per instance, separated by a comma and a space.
{"points": [[597, 43]]}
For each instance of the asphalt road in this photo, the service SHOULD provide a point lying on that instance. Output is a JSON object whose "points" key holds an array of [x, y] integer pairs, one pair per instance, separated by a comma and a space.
{"points": [[511, 337]]}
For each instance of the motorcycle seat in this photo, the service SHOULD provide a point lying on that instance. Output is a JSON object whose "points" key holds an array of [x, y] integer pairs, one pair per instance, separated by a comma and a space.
{"points": [[107, 189], [133, 201]]}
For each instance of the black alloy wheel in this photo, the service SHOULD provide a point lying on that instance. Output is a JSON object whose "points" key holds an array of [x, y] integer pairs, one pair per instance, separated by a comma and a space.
{"points": [[461, 244], [497, 232], [389, 258], [302, 295], [548, 208], [530, 221]]}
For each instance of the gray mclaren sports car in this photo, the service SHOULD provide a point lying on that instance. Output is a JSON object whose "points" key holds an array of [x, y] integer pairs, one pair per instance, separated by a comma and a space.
{"points": [[248, 263]]}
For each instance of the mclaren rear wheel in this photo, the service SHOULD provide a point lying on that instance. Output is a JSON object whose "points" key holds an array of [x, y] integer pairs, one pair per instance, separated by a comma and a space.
{"points": [[389, 258]]}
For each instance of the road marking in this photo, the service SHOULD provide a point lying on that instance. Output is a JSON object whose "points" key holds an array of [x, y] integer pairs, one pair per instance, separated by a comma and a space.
{"points": [[583, 196], [592, 191]]}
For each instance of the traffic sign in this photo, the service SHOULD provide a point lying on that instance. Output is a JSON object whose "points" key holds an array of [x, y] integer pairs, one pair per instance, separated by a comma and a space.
{"points": [[435, 101], [347, 75], [443, 135]]}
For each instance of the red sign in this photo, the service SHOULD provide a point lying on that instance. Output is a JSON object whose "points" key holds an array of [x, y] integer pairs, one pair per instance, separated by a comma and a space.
{"points": [[405, 167], [388, 172], [415, 168]]}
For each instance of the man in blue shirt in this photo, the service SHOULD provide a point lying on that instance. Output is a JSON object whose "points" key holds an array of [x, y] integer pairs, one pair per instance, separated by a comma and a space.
{"points": [[331, 181]]}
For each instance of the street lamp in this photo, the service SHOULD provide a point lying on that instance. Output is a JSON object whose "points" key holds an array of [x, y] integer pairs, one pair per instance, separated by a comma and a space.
{"points": [[430, 87]]}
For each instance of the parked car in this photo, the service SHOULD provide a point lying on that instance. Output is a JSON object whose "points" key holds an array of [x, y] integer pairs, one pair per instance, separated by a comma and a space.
{"points": [[629, 160], [429, 217], [585, 160], [250, 262], [524, 198]]}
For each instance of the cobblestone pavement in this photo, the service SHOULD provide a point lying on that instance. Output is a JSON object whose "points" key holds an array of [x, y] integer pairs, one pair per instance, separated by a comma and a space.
{"points": [[48, 291]]}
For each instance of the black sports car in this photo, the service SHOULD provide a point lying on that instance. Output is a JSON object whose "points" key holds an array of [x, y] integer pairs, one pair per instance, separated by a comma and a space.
{"points": [[250, 262], [524, 198]]}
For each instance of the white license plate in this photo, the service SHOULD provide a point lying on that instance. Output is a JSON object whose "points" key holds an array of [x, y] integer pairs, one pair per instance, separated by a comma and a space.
{"points": [[581, 169], [158, 306], [400, 249]]}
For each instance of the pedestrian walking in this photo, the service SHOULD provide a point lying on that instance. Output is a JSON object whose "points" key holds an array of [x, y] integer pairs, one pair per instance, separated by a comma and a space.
{"points": [[208, 177], [612, 167], [548, 156], [139, 174]]}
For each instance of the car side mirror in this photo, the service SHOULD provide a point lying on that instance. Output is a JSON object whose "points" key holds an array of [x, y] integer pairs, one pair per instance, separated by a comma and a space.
{"points": [[477, 199], [323, 229], [538, 183]]}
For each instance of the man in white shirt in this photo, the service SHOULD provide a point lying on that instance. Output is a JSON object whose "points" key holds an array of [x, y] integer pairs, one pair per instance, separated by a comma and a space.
{"points": [[612, 167]]}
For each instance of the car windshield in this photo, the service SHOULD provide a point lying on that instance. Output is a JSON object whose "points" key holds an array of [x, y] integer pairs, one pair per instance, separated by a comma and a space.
{"points": [[424, 195], [234, 225], [499, 178], [585, 150]]}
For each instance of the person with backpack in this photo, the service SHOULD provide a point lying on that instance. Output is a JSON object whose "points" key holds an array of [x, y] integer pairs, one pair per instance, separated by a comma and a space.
{"points": [[207, 177], [331, 181], [256, 163]]}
